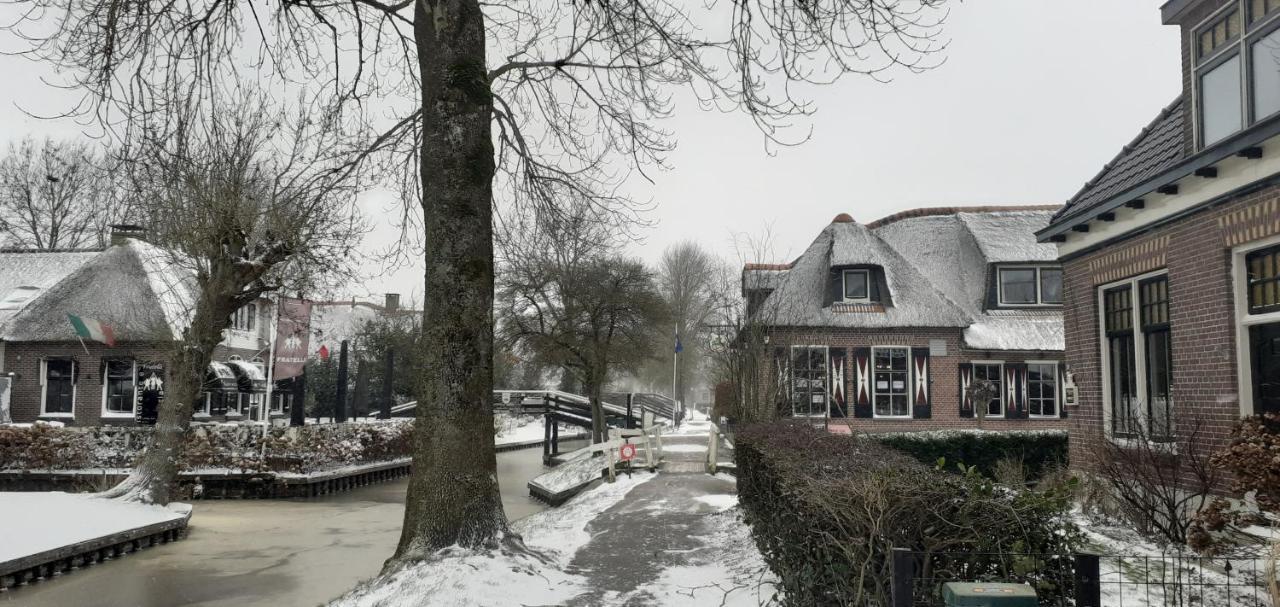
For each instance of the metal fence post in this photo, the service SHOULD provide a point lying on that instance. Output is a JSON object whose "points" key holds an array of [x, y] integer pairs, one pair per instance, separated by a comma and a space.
{"points": [[1088, 584], [903, 580]]}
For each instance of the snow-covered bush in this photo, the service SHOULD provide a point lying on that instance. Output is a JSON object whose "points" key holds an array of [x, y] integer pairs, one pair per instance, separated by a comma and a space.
{"points": [[826, 511], [234, 447]]}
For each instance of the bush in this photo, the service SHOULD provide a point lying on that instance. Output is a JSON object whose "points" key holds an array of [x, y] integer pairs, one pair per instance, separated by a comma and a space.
{"points": [[1252, 459], [1038, 450], [826, 511]]}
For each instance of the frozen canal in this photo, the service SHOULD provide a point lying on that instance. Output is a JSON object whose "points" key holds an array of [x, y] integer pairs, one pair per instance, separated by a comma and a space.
{"points": [[276, 553]]}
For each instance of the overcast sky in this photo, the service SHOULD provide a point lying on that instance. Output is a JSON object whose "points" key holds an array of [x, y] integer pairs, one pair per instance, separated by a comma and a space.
{"points": [[1035, 96]]}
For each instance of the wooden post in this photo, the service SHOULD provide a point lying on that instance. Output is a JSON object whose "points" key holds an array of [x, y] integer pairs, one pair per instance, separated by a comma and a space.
{"points": [[631, 397], [546, 438], [555, 438], [608, 455], [714, 437], [903, 578], [1087, 580], [340, 405]]}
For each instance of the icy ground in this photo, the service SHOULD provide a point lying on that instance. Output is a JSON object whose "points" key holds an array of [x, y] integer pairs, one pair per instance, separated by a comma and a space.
{"points": [[34, 522], [646, 540]]}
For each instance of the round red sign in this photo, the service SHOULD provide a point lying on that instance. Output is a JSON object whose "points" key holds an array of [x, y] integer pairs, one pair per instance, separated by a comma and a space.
{"points": [[627, 452]]}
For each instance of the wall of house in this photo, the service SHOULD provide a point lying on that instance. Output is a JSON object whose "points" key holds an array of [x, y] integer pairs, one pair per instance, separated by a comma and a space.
{"points": [[1196, 251], [944, 381], [23, 359]]}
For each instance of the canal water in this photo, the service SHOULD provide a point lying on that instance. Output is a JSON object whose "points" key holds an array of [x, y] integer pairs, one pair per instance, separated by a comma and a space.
{"points": [[277, 553]]}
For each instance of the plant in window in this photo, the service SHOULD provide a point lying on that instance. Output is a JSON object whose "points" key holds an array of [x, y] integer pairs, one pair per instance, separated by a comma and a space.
{"points": [[982, 391]]}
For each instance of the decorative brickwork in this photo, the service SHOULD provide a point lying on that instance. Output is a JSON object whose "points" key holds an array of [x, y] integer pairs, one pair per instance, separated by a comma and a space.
{"points": [[1138, 258]]}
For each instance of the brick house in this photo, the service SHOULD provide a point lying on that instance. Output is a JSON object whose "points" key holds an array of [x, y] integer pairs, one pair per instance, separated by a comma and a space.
{"points": [[132, 288], [1172, 252], [883, 326]]}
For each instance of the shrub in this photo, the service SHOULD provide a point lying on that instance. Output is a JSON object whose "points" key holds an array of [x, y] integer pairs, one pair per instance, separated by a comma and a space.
{"points": [[1038, 450], [826, 511], [1252, 458]]}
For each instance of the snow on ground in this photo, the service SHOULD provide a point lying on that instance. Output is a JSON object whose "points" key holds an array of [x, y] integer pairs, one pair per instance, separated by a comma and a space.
{"points": [[720, 501], [512, 429], [684, 448], [560, 532], [70, 519]]}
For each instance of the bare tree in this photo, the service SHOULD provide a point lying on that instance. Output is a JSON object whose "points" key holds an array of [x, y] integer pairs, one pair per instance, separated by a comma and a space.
{"points": [[237, 207], [571, 96], [57, 195], [686, 275]]}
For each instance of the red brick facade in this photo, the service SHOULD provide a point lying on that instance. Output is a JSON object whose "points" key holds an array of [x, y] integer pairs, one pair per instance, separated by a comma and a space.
{"points": [[1196, 251], [23, 360], [943, 374]]}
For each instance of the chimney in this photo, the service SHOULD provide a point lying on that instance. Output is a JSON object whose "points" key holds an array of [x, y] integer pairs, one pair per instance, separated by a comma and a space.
{"points": [[121, 232], [392, 303]]}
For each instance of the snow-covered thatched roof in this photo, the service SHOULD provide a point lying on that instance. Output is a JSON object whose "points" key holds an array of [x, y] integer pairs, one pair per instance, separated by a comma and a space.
{"points": [[133, 287], [936, 265], [25, 275]]}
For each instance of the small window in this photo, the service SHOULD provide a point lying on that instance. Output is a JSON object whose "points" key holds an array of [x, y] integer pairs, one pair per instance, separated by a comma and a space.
{"points": [[1258, 9], [1042, 389], [1266, 75], [1030, 286], [890, 382], [59, 386], [119, 386], [1264, 280], [1220, 113], [994, 373], [856, 287], [245, 318], [809, 381], [1216, 35]]}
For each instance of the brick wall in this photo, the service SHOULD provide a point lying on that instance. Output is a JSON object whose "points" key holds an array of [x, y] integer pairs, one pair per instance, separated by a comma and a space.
{"points": [[944, 382], [1196, 251], [23, 359]]}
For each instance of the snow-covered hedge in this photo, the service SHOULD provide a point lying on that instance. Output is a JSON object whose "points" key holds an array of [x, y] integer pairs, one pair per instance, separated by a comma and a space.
{"points": [[1037, 450], [209, 446]]}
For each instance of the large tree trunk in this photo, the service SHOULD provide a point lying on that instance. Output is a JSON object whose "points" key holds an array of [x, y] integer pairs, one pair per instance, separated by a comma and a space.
{"points": [[154, 478], [453, 494], [599, 429]]}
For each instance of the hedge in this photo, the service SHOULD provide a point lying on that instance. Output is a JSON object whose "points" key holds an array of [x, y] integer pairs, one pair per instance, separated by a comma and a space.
{"points": [[826, 511], [1038, 450], [208, 446]]}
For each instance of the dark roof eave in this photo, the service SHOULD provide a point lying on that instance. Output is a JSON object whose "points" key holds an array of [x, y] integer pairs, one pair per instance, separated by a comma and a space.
{"points": [[1245, 139], [1172, 10]]}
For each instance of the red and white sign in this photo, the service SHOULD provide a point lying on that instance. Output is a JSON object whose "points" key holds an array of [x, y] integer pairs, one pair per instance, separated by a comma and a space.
{"points": [[293, 326], [627, 452]]}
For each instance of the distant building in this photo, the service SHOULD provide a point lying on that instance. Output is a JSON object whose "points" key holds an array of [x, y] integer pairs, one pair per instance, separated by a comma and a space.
{"points": [[338, 320], [133, 288], [1172, 251], [884, 326]]}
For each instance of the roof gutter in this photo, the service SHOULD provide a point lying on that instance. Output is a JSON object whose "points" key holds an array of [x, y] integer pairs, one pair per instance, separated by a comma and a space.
{"points": [[1245, 140]]}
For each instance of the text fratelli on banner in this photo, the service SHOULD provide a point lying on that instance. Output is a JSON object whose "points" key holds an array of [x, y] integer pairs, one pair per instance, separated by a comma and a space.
{"points": [[293, 329]]}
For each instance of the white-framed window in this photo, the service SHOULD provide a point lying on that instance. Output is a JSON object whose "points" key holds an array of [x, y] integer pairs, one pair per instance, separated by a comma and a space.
{"points": [[245, 319], [857, 286], [891, 381], [280, 401], [809, 396], [992, 371], [1042, 388], [1029, 285], [1256, 273], [1236, 68], [202, 404], [57, 387], [1137, 356], [119, 387]]}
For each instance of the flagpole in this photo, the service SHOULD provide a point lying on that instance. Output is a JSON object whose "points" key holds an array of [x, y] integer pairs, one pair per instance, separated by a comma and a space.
{"points": [[271, 362], [675, 367]]}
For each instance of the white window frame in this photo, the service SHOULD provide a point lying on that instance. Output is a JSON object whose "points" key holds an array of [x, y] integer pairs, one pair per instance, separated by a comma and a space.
{"points": [[1004, 407], [844, 282], [1239, 290], [204, 408], [909, 388], [133, 406], [791, 380], [1139, 351], [1039, 303], [44, 388], [1057, 389], [1243, 44]]}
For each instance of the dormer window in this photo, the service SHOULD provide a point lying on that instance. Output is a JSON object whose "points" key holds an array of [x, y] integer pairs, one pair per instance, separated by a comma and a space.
{"points": [[1029, 285], [857, 286], [1237, 68]]}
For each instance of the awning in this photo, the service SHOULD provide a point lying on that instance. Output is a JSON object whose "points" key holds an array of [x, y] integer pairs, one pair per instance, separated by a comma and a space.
{"points": [[220, 378], [248, 376]]}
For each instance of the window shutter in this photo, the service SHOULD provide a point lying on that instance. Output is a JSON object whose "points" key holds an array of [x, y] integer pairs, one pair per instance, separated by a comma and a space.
{"points": [[1015, 376], [880, 288], [861, 382], [993, 286], [966, 380], [920, 408], [839, 387], [1062, 390], [835, 287], [44, 372]]}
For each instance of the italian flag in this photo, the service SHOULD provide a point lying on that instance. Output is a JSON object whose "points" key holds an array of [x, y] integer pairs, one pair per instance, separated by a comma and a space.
{"points": [[88, 328]]}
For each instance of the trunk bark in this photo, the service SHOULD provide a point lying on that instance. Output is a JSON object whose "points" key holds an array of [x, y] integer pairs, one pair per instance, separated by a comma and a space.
{"points": [[153, 480], [453, 494], [599, 428]]}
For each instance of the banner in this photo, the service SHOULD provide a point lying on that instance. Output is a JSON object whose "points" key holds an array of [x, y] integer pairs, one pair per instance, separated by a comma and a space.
{"points": [[293, 332]]}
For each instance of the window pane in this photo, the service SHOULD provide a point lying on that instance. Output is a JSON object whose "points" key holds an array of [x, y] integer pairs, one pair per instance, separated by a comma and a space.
{"points": [[1220, 101], [1051, 285], [1159, 378], [855, 285], [1266, 75], [1018, 286], [890, 382]]}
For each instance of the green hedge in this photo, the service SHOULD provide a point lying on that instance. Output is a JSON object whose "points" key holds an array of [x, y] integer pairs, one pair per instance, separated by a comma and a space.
{"points": [[826, 510], [1039, 450]]}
